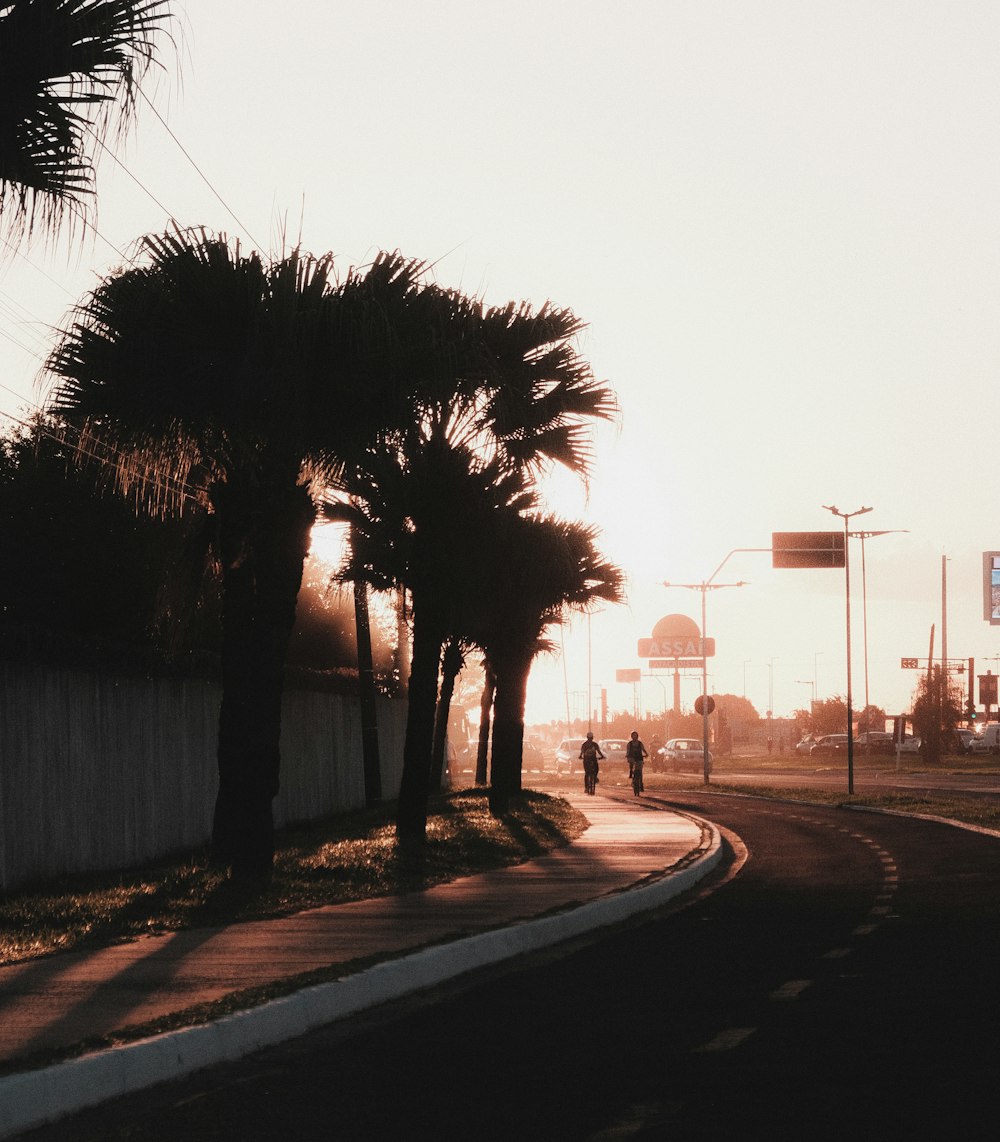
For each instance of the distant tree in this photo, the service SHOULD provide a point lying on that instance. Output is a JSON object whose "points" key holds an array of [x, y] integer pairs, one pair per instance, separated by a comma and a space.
{"points": [[937, 710], [828, 716], [871, 719]]}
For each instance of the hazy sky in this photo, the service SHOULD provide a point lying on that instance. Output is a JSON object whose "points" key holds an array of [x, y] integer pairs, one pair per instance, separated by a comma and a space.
{"points": [[778, 218]]}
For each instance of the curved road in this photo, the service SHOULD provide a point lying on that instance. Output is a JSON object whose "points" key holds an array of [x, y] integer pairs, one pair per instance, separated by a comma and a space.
{"points": [[843, 980]]}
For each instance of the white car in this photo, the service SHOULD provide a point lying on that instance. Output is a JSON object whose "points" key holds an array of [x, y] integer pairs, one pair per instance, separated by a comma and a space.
{"points": [[614, 750], [910, 744], [685, 753]]}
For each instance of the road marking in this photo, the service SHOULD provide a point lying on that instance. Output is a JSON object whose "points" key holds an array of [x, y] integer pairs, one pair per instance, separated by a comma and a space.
{"points": [[726, 1040], [837, 953], [864, 929], [790, 990]]}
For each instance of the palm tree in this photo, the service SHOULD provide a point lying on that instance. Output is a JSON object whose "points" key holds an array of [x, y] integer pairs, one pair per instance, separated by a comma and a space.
{"points": [[531, 568], [69, 73], [486, 400], [211, 378]]}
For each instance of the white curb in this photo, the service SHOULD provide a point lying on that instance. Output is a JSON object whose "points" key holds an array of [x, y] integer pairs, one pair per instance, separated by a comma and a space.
{"points": [[32, 1098]]}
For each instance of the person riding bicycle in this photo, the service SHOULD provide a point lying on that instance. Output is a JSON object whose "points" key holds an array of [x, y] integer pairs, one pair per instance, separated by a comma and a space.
{"points": [[636, 753], [590, 755]]}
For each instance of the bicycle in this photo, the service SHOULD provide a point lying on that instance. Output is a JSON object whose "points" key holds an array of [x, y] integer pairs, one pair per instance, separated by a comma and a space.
{"points": [[590, 777], [637, 786]]}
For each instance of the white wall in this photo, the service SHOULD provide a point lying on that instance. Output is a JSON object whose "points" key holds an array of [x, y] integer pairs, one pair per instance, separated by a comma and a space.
{"points": [[98, 772]]}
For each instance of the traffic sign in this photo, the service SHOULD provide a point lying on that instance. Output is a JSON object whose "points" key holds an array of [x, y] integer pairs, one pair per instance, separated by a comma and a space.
{"points": [[908, 663], [704, 704]]}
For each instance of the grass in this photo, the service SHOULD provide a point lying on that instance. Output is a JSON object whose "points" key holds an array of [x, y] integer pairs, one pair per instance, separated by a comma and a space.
{"points": [[776, 781], [349, 857]]}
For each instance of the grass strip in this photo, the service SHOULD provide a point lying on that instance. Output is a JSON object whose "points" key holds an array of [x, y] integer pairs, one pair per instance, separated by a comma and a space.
{"points": [[352, 856]]}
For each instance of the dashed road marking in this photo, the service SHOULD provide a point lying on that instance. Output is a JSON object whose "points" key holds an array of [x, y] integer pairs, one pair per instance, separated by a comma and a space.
{"points": [[790, 990], [726, 1040]]}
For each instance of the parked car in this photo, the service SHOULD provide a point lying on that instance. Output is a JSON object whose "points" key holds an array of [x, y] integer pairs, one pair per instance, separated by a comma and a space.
{"points": [[830, 745], [875, 743], [987, 740], [614, 750], [532, 758], [806, 744], [568, 755], [684, 753], [961, 741], [910, 744]]}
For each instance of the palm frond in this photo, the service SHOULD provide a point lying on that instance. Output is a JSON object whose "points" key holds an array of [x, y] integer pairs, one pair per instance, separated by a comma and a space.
{"points": [[69, 75]]}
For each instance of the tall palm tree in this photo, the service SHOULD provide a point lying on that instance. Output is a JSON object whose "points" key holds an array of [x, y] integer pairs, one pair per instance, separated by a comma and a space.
{"points": [[500, 390], [530, 569], [210, 376], [69, 74]]}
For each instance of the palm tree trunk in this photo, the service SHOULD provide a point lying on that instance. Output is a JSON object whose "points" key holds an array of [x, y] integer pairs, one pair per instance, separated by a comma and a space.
{"points": [[367, 694], [262, 552], [451, 665], [414, 786], [508, 732], [485, 719]]}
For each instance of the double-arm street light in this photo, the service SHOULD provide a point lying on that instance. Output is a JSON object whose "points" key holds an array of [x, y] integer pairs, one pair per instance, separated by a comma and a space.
{"points": [[863, 535], [847, 517], [705, 586]]}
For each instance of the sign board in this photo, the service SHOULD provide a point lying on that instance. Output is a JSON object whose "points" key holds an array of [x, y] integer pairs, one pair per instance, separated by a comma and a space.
{"points": [[988, 689], [630, 675], [991, 587], [676, 647], [704, 704], [675, 664], [908, 663], [807, 549]]}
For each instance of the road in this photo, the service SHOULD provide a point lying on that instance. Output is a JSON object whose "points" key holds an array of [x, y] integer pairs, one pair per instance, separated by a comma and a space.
{"points": [[843, 980]]}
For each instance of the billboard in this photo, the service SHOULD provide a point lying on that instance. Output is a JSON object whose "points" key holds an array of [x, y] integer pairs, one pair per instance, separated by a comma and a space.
{"points": [[991, 587]]}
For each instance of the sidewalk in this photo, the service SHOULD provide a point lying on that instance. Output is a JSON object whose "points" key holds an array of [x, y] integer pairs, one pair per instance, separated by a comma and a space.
{"points": [[634, 856]]}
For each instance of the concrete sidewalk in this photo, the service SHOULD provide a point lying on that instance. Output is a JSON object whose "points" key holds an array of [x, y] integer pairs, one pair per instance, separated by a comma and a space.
{"points": [[634, 856]]}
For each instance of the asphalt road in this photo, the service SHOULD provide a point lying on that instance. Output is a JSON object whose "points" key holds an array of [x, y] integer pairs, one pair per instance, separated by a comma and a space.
{"points": [[844, 980]]}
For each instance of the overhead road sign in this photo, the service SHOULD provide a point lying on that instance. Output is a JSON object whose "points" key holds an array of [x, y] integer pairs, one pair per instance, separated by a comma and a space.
{"points": [[633, 674], [807, 549]]}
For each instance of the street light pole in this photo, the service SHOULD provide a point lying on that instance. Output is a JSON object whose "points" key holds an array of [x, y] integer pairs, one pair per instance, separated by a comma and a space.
{"points": [[705, 586], [847, 517], [863, 535]]}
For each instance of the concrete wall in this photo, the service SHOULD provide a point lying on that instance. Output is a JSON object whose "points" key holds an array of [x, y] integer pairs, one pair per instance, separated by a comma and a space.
{"points": [[98, 772]]}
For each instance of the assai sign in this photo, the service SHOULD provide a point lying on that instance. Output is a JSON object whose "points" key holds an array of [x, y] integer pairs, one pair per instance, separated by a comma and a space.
{"points": [[680, 647]]}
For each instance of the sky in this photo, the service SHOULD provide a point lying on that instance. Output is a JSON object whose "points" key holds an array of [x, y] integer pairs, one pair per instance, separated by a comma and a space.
{"points": [[779, 220]]}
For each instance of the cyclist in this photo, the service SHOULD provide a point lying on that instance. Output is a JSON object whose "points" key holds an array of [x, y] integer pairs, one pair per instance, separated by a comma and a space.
{"points": [[636, 753], [590, 755]]}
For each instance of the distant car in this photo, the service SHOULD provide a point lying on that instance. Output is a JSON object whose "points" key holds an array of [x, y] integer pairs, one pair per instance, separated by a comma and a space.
{"points": [[532, 758], [568, 755], [830, 745], [987, 740], [961, 741], [614, 750], [806, 744], [910, 744], [685, 753], [876, 743]]}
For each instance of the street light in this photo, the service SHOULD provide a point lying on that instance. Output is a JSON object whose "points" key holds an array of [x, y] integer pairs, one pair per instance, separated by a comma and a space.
{"points": [[847, 517], [863, 535], [705, 586]]}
